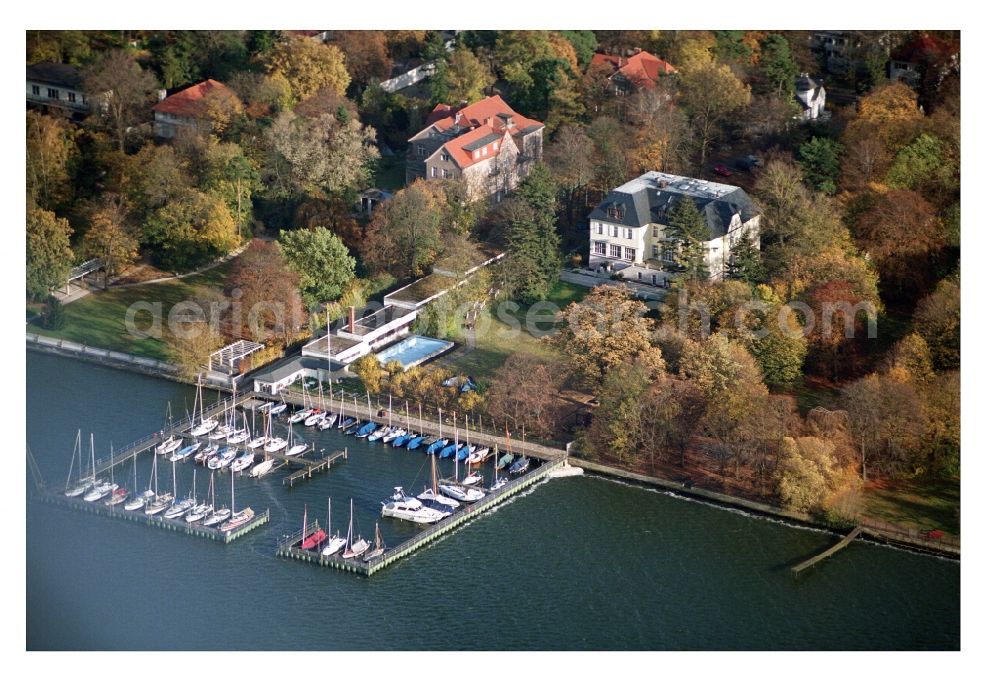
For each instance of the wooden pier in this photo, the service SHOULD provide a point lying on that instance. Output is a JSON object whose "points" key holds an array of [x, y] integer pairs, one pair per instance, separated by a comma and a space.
{"points": [[323, 464], [289, 547], [157, 520], [847, 539]]}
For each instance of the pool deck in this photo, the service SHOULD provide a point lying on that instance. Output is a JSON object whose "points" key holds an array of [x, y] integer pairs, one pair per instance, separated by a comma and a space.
{"points": [[442, 346]]}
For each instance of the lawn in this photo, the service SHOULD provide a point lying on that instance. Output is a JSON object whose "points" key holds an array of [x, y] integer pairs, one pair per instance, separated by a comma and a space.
{"points": [[98, 319], [390, 174], [924, 505], [497, 339]]}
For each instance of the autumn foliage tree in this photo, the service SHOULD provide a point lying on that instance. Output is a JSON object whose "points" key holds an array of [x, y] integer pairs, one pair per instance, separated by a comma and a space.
{"points": [[308, 65], [524, 391], [270, 304]]}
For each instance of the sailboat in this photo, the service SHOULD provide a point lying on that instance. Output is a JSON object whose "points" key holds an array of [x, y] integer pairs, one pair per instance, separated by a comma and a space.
{"points": [[204, 426], [138, 499], [98, 489], [229, 426], [454, 489], [303, 412], [419, 437], [509, 455], [238, 518], [119, 493], [178, 508], [159, 502], [344, 422], [498, 481], [432, 498], [242, 462], [441, 441], [267, 464], [202, 510], [294, 449], [360, 545], [313, 540], [216, 515], [318, 413], [170, 444], [82, 484], [379, 547], [185, 452], [223, 458], [335, 543], [275, 444], [240, 434]]}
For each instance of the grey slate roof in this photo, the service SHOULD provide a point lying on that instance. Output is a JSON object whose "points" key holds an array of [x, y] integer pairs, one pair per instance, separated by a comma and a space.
{"points": [[58, 74], [651, 197]]}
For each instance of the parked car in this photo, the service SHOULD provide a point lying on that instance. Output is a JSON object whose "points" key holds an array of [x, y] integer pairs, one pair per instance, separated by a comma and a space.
{"points": [[748, 163], [722, 170]]}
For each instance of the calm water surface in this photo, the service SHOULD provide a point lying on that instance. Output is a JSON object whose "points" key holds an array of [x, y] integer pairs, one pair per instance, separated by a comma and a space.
{"points": [[579, 563]]}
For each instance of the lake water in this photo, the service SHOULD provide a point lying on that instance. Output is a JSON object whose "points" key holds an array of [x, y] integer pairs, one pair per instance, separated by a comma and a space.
{"points": [[578, 563]]}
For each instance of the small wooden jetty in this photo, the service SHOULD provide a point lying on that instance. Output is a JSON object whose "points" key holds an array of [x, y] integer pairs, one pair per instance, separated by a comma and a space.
{"points": [[310, 467], [158, 521], [846, 540], [290, 547]]}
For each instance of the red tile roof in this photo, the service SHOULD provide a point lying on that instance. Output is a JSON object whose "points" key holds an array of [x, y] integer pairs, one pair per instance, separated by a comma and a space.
{"points": [[481, 119], [642, 68], [482, 139], [190, 102], [477, 114]]}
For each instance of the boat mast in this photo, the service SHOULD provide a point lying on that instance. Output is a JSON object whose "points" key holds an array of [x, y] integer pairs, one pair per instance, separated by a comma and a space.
{"points": [[329, 508], [440, 429], [454, 424], [390, 409], [369, 397], [232, 478], [93, 463], [407, 411], [305, 511], [72, 461], [135, 476], [173, 466], [112, 463], [420, 412]]}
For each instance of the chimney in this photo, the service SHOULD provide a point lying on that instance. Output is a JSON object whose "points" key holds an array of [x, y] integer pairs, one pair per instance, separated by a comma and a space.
{"points": [[350, 320], [161, 94]]}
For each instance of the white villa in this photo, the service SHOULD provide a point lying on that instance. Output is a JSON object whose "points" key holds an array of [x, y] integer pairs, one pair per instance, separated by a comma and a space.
{"points": [[630, 230]]}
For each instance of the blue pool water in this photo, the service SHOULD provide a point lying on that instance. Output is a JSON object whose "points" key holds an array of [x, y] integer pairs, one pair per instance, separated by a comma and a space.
{"points": [[413, 350]]}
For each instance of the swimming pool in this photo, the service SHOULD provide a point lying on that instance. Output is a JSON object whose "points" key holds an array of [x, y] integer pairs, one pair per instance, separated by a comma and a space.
{"points": [[413, 350]]}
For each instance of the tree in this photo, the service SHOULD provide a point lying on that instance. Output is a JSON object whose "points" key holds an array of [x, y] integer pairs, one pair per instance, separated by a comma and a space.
{"points": [[53, 314], [778, 65], [808, 473], [689, 234], [617, 422], [937, 320], [746, 263], [110, 238], [367, 55], [154, 177], [926, 165], [903, 236], [269, 298], [887, 421], [369, 370], [190, 231], [605, 329], [820, 159], [944, 412], [525, 391], [121, 91], [231, 175], [189, 344], [308, 65], [531, 236], [711, 94], [404, 236], [51, 149], [324, 154], [322, 262], [570, 160], [462, 77], [584, 45], [49, 256], [781, 350]]}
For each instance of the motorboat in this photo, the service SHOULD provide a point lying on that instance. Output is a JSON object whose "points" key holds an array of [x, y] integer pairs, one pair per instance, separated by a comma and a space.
{"points": [[185, 452], [407, 508], [262, 467], [243, 461], [460, 492]]}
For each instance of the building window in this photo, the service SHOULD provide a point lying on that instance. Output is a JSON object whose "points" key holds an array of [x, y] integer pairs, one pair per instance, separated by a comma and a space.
{"points": [[668, 255], [445, 173], [434, 172], [656, 251], [53, 93], [628, 233], [656, 233], [444, 158], [600, 228], [600, 248], [616, 251], [35, 91], [614, 230], [638, 276], [495, 145], [71, 96], [421, 151], [629, 254]]}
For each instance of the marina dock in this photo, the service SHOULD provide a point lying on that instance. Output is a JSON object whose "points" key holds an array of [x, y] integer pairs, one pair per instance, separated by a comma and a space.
{"points": [[289, 547], [158, 521], [847, 539], [323, 464]]}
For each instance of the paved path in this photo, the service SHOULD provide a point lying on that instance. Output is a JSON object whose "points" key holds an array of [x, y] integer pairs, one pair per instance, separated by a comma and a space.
{"points": [[640, 291]]}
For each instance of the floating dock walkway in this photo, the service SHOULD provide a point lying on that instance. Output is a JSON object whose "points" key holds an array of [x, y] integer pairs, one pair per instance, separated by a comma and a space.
{"points": [[290, 547], [311, 467], [847, 539], [158, 521]]}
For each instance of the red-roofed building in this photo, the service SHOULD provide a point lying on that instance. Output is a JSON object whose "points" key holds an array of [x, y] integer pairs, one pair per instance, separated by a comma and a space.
{"points": [[487, 143], [640, 69], [187, 108]]}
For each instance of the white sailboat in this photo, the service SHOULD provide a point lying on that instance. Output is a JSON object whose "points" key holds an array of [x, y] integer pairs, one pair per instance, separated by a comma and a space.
{"points": [[334, 543], [360, 545], [204, 426], [171, 443], [201, 510], [118, 493], [182, 507], [82, 484], [216, 515], [432, 496], [138, 500], [159, 502], [239, 518], [98, 489]]}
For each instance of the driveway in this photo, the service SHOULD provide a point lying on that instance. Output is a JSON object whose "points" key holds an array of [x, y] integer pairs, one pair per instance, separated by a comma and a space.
{"points": [[640, 291]]}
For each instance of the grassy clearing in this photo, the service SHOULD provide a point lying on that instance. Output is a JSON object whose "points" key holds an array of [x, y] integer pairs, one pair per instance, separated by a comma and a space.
{"points": [[924, 505], [98, 319], [390, 174], [496, 339]]}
